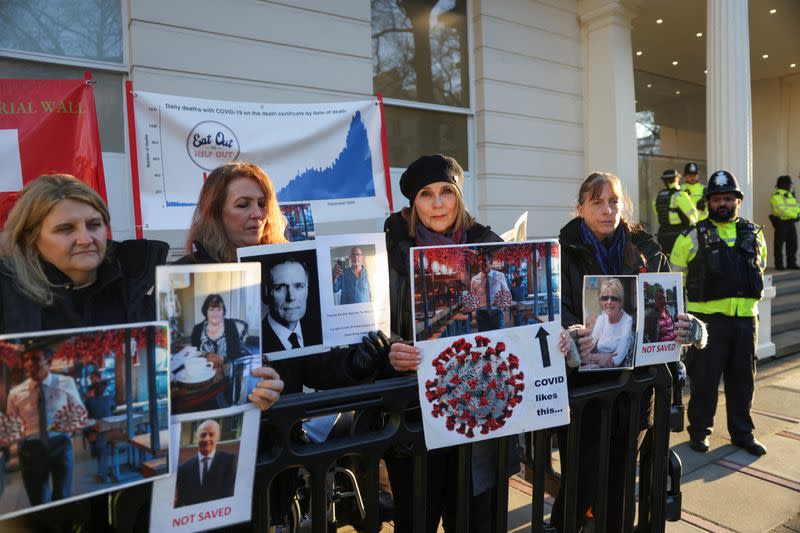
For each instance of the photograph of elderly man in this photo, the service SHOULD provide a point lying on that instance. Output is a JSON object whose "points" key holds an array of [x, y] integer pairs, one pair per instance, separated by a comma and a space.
{"points": [[210, 474]]}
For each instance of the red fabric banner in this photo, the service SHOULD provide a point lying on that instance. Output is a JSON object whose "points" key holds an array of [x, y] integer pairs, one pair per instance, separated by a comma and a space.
{"points": [[47, 127]]}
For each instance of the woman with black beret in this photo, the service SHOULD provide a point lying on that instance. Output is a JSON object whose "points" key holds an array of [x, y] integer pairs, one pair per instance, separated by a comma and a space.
{"points": [[436, 216]]}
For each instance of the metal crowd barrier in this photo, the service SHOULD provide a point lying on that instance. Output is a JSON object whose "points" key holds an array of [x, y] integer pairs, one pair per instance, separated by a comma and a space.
{"points": [[400, 428]]}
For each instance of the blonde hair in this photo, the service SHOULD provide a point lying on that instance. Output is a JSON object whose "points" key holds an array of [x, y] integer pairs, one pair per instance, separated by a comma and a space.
{"points": [[23, 226], [613, 285], [207, 226], [463, 220]]}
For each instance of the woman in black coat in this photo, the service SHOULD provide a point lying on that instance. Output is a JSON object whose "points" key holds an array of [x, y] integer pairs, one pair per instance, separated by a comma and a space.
{"points": [[600, 242], [437, 216], [59, 270]]}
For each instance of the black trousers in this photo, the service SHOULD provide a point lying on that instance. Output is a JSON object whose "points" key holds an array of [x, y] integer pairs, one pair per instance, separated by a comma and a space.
{"points": [[442, 481], [730, 353], [785, 233], [588, 458]]}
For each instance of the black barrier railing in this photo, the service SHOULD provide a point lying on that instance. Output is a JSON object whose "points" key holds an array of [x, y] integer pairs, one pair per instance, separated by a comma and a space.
{"points": [[389, 422]]}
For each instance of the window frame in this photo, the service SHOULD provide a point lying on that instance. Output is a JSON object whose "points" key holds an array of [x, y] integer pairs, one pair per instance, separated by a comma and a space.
{"points": [[470, 189], [91, 64]]}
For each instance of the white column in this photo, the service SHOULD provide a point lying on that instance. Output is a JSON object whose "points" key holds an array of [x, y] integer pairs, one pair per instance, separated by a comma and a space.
{"points": [[608, 95], [729, 117]]}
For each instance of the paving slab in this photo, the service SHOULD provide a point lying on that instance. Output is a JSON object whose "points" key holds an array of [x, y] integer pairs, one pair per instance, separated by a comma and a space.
{"points": [[783, 459], [737, 501], [778, 400], [720, 440], [682, 527], [792, 381]]}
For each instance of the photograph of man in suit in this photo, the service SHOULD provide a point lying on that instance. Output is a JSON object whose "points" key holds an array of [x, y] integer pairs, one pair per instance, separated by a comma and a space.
{"points": [[485, 285], [210, 474], [292, 320]]}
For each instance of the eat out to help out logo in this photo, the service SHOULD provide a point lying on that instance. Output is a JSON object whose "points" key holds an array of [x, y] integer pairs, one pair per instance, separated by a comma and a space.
{"points": [[211, 144]]}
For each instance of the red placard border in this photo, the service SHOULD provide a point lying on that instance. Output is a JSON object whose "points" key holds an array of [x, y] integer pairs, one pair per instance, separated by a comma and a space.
{"points": [[137, 203], [385, 150]]}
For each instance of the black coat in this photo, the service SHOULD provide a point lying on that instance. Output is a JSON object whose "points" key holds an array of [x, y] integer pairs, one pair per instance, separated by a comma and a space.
{"points": [[398, 246], [577, 260], [219, 483], [123, 292]]}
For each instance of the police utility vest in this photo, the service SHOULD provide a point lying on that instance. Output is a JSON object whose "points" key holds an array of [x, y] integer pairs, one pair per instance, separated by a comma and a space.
{"points": [[720, 271], [663, 201]]}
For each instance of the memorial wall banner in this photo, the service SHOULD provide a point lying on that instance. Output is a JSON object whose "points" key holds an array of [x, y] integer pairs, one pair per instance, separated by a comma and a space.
{"points": [[47, 127], [330, 155]]}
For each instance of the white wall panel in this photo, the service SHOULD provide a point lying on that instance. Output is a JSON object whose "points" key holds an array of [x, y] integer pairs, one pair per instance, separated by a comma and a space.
{"points": [[529, 120], [262, 21], [168, 48], [503, 97]]}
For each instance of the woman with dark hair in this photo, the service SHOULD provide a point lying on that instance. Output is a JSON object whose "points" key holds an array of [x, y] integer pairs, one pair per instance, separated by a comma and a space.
{"points": [[217, 334], [599, 241], [436, 216]]}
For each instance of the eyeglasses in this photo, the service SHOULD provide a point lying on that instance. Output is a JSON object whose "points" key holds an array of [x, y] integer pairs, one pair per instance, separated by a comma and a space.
{"points": [[611, 298]]}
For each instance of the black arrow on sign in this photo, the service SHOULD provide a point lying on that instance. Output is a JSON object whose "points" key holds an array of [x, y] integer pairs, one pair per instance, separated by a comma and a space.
{"points": [[542, 336]]}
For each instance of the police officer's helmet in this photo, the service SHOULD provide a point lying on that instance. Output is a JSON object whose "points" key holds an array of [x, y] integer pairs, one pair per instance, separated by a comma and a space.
{"points": [[784, 182], [691, 168], [670, 175], [723, 181]]}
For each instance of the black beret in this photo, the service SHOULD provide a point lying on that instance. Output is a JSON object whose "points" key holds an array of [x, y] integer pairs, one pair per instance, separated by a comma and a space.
{"points": [[430, 169], [670, 174], [784, 182]]}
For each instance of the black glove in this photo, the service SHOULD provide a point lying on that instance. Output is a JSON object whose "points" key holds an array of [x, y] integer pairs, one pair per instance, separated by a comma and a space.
{"points": [[372, 354], [701, 204]]}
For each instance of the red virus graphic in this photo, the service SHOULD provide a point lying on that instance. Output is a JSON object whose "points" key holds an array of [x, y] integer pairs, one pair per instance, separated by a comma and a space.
{"points": [[475, 386]]}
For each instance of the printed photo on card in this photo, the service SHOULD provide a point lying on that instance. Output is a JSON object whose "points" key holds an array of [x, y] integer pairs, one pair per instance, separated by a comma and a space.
{"points": [[354, 274], [661, 298], [214, 315], [71, 399], [491, 384], [212, 481], [610, 307], [291, 319], [466, 289], [299, 221]]}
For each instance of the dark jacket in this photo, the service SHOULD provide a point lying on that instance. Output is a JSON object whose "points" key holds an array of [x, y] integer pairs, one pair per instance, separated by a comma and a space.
{"points": [[327, 370], [233, 347], [124, 292], [578, 260], [398, 245], [219, 484]]}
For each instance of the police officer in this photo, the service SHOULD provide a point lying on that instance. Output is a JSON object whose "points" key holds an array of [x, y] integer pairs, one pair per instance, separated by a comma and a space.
{"points": [[675, 210], [785, 212], [695, 189], [724, 259]]}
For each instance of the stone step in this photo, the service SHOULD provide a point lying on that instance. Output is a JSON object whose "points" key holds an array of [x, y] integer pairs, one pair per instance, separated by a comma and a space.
{"points": [[787, 321], [783, 275], [785, 305], [786, 343], [791, 286]]}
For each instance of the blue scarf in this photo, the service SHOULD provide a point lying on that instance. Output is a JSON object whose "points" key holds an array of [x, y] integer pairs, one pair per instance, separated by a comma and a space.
{"points": [[426, 237], [609, 252]]}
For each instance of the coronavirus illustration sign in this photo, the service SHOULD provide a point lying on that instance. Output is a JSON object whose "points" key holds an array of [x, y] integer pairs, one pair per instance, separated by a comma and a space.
{"points": [[476, 387], [492, 384]]}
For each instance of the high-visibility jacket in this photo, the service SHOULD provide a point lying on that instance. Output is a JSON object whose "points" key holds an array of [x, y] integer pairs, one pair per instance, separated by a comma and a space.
{"points": [[686, 249], [697, 192], [681, 209], [784, 205]]}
